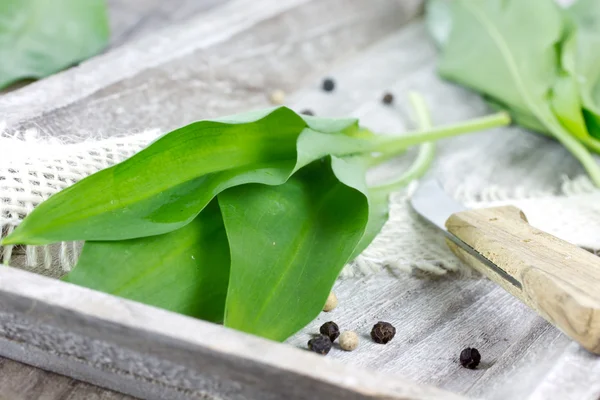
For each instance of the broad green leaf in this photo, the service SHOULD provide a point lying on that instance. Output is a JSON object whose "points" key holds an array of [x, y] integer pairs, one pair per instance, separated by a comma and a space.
{"points": [[289, 243], [581, 57], [165, 186], [184, 271], [41, 37], [507, 50], [498, 49]]}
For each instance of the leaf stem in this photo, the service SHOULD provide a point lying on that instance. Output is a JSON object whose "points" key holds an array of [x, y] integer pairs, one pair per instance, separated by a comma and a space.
{"points": [[395, 144], [426, 150]]}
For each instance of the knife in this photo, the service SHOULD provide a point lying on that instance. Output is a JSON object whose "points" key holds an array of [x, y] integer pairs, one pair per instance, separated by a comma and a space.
{"points": [[557, 279]]}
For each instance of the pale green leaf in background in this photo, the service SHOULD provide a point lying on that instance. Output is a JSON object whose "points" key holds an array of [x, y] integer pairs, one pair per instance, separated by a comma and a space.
{"points": [[507, 50], [41, 37], [566, 105], [581, 57]]}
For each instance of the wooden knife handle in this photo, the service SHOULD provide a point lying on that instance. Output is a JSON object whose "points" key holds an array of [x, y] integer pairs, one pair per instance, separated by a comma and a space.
{"points": [[557, 279]]}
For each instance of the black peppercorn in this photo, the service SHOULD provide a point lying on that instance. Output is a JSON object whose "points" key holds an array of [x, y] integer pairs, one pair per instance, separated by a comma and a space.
{"points": [[388, 98], [331, 330], [383, 332], [307, 112], [328, 84], [320, 344], [470, 358]]}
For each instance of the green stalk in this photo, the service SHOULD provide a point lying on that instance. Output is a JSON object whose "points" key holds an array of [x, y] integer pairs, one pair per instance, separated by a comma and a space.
{"points": [[387, 145], [426, 150], [381, 158]]}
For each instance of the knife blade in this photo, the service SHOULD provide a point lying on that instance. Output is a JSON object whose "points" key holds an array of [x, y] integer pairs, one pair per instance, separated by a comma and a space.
{"points": [[558, 280], [431, 202]]}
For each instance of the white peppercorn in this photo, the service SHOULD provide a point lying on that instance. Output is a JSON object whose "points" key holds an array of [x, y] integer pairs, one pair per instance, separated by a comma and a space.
{"points": [[331, 302], [277, 96], [348, 340]]}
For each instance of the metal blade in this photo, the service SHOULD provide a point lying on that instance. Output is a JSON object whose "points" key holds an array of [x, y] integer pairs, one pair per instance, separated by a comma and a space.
{"points": [[432, 203]]}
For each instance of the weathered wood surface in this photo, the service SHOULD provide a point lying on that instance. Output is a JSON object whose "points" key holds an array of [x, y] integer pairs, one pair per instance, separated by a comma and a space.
{"points": [[155, 354], [524, 357], [224, 62], [321, 42], [132, 19], [23, 382]]}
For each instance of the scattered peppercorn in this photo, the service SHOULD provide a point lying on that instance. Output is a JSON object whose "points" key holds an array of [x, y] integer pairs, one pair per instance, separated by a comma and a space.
{"points": [[470, 358], [331, 302], [348, 340], [307, 112], [383, 332], [388, 98], [320, 344], [330, 329], [328, 84], [277, 96]]}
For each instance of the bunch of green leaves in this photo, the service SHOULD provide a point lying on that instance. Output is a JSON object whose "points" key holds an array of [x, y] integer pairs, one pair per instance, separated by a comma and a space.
{"points": [[39, 38], [532, 58], [245, 220]]}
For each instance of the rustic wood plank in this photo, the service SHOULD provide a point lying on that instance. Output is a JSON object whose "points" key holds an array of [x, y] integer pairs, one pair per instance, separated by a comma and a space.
{"points": [[226, 61], [317, 34], [523, 356], [23, 382], [130, 20], [155, 354]]}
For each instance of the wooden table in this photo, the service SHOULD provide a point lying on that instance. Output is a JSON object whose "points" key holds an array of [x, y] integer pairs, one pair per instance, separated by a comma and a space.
{"points": [[241, 54]]}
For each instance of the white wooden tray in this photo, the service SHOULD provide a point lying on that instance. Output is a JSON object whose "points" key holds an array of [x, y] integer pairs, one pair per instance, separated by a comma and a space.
{"points": [[227, 61]]}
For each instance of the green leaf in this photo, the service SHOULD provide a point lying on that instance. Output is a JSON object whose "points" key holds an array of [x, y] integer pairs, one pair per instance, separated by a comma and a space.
{"points": [[581, 58], [185, 271], [289, 243], [521, 117], [567, 106], [41, 37], [507, 50], [497, 48], [165, 186]]}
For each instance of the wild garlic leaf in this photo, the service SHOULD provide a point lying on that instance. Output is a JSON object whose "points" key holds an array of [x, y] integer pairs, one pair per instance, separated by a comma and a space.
{"points": [[521, 117], [581, 57], [305, 231], [185, 271], [165, 186], [566, 105], [507, 50], [497, 48], [39, 38]]}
